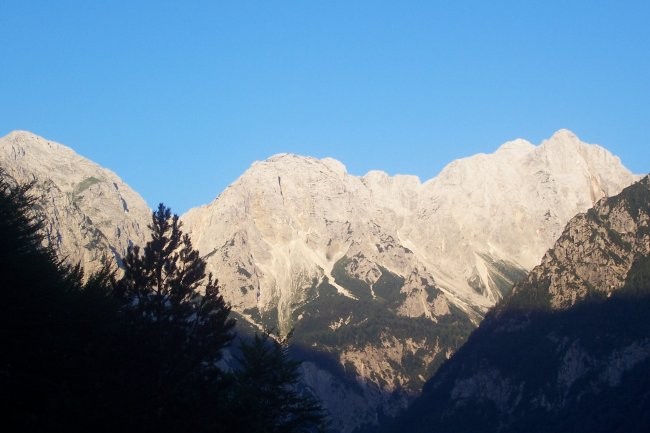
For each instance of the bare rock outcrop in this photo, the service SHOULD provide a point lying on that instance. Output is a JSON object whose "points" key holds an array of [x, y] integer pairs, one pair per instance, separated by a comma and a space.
{"points": [[89, 213], [569, 348], [295, 235]]}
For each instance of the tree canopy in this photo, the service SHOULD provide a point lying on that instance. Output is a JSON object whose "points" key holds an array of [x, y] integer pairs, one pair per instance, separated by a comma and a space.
{"points": [[179, 319]]}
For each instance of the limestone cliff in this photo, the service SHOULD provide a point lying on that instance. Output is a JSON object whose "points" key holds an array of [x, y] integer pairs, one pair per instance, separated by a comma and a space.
{"points": [[569, 349], [352, 263], [88, 211]]}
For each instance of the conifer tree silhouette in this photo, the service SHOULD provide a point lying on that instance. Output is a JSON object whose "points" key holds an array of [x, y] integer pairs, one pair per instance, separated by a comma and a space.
{"points": [[179, 318]]}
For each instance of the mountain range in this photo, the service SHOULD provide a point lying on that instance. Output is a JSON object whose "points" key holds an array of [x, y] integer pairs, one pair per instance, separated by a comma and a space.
{"points": [[381, 278], [569, 349]]}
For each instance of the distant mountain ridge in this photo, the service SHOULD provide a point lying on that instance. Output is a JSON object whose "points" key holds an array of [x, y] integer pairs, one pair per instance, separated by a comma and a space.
{"points": [[478, 206], [569, 349], [381, 277]]}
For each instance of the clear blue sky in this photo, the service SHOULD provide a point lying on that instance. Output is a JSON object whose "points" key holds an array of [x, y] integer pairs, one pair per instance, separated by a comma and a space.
{"points": [[180, 97]]}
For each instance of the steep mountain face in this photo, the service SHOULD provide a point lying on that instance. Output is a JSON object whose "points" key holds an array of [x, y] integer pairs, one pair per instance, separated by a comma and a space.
{"points": [[593, 256], [383, 277], [89, 212], [569, 350]]}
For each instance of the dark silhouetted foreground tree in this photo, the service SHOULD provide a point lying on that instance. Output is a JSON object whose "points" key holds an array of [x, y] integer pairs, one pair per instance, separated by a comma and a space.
{"points": [[51, 325], [181, 328]]}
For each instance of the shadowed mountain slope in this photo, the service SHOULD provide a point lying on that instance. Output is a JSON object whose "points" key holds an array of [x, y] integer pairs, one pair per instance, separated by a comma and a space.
{"points": [[569, 350]]}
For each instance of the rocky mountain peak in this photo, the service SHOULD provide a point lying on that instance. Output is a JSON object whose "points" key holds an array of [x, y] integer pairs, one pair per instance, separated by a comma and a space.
{"points": [[569, 349], [285, 158], [448, 223], [564, 135], [594, 254], [25, 144], [89, 212], [289, 161], [564, 143], [518, 146]]}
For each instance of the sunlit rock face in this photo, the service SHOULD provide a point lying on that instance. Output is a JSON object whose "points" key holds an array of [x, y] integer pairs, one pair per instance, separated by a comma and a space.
{"points": [[569, 348], [594, 255], [290, 219], [386, 274], [89, 213]]}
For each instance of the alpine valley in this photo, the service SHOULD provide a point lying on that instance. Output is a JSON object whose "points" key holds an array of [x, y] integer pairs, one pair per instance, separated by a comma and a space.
{"points": [[380, 278]]}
